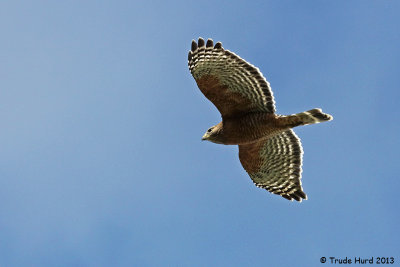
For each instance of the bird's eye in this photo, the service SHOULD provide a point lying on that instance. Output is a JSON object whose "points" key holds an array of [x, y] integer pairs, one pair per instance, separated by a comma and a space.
{"points": [[209, 130]]}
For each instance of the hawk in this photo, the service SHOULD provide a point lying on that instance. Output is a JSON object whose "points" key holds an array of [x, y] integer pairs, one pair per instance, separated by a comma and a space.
{"points": [[269, 150]]}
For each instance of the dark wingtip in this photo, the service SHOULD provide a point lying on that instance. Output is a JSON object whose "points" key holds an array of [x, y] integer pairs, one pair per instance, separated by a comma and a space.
{"points": [[287, 197], [190, 55], [218, 45], [210, 43], [201, 42], [194, 45], [300, 194], [296, 197]]}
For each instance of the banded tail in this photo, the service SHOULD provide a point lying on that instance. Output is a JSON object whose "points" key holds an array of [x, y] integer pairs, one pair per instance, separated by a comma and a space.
{"points": [[307, 117]]}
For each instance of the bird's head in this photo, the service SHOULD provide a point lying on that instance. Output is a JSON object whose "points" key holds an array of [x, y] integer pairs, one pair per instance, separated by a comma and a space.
{"points": [[213, 134]]}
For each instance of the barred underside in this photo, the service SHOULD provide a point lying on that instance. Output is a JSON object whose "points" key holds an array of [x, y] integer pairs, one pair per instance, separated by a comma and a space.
{"points": [[280, 168], [272, 158], [232, 71]]}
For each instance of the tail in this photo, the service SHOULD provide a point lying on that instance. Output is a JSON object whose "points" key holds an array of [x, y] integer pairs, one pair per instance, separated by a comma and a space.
{"points": [[307, 117]]}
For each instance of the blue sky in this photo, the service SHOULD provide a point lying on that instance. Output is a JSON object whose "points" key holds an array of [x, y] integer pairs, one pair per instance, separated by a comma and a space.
{"points": [[101, 158]]}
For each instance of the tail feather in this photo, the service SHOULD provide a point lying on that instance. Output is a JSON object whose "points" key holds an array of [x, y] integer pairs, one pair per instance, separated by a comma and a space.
{"points": [[307, 117], [314, 116]]}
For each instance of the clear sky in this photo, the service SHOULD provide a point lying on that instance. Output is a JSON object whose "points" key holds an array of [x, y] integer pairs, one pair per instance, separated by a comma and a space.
{"points": [[101, 121]]}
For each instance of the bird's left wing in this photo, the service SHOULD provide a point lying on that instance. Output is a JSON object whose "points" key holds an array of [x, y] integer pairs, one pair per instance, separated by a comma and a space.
{"points": [[275, 164], [233, 85]]}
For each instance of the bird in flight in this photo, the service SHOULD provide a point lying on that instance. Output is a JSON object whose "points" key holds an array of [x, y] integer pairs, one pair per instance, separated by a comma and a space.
{"points": [[269, 150]]}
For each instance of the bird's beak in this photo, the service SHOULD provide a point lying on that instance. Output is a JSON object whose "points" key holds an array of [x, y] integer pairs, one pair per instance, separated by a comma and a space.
{"points": [[204, 138]]}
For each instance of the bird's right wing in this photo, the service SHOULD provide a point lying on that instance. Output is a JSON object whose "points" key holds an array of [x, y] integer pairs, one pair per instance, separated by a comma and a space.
{"points": [[233, 85], [275, 164]]}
